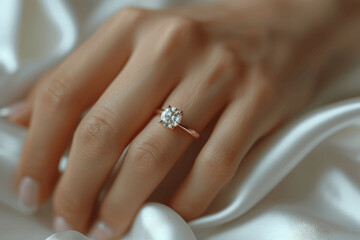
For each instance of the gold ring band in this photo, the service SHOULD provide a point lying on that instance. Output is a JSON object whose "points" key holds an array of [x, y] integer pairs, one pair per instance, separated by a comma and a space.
{"points": [[171, 117]]}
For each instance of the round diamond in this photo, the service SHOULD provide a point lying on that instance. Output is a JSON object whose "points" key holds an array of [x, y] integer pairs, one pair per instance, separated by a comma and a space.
{"points": [[171, 117]]}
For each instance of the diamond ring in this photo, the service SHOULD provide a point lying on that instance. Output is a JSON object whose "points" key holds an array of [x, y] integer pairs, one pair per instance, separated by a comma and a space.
{"points": [[171, 117]]}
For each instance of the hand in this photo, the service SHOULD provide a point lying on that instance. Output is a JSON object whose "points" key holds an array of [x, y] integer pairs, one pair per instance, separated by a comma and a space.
{"points": [[237, 62]]}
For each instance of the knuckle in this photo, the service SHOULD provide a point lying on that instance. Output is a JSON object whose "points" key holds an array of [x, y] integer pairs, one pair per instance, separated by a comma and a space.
{"points": [[181, 25], [228, 57], [178, 33], [224, 72], [54, 95], [145, 157], [218, 165], [97, 130]]}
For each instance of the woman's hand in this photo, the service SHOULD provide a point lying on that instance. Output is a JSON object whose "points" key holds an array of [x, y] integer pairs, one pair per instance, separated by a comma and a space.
{"points": [[238, 61]]}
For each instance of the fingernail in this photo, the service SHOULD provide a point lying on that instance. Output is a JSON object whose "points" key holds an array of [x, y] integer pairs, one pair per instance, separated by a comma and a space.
{"points": [[101, 232], [12, 109], [60, 225], [28, 194]]}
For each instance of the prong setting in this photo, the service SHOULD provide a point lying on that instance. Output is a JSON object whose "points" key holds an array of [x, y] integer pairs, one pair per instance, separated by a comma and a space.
{"points": [[171, 117]]}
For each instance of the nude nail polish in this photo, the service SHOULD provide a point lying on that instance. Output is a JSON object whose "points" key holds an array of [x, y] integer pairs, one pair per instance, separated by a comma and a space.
{"points": [[28, 194], [12, 109], [60, 225], [101, 232]]}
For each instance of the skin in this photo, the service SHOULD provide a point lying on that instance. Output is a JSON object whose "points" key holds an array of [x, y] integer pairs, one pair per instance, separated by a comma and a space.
{"points": [[233, 67]]}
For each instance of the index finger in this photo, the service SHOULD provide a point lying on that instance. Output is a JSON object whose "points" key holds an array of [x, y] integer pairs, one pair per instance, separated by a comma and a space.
{"points": [[59, 103]]}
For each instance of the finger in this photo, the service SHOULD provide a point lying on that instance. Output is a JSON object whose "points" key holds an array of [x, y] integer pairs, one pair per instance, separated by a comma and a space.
{"points": [[154, 151], [59, 102], [240, 125], [106, 130], [17, 113]]}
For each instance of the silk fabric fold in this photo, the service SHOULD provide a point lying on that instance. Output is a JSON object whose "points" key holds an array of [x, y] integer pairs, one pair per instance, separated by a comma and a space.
{"points": [[301, 182]]}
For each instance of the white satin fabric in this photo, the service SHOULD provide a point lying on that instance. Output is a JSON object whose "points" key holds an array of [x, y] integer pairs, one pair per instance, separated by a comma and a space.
{"points": [[301, 182]]}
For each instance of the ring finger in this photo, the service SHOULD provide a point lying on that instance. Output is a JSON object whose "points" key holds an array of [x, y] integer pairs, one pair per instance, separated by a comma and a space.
{"points": [[154, 151]]}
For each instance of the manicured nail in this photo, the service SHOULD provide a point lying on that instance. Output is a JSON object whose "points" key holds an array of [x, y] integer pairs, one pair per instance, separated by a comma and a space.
{"points": [[28, 194], [60, 225], [12, 109], [101, 232]]}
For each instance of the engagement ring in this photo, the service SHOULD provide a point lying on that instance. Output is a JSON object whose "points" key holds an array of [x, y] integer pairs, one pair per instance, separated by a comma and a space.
{"points": [[171, 117]]}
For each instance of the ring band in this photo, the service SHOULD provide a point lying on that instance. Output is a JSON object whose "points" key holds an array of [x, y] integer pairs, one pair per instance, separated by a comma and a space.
{"points": [[171, 118]]}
